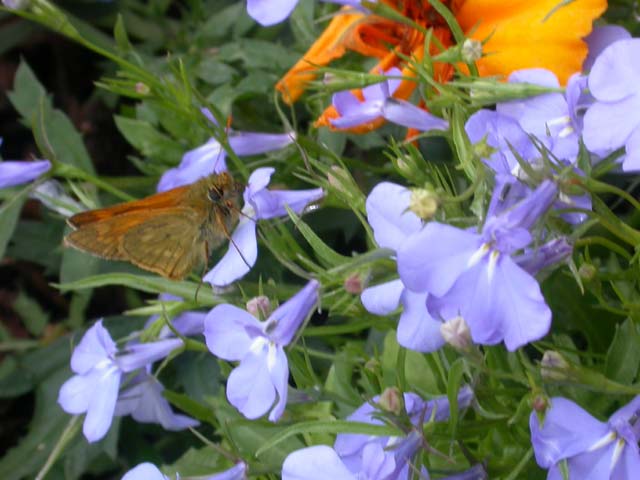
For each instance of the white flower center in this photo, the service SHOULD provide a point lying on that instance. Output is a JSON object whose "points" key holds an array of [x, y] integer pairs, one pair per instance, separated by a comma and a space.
{"points": [[478, 255], [259, 344]]}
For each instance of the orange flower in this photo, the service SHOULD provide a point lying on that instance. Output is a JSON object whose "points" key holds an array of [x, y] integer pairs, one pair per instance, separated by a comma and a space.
{"points": [[518, 33]]}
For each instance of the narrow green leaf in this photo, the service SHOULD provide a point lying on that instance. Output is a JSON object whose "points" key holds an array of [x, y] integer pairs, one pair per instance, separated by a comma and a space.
{"points": [[623, 356], [9, 214], [453, 387]]}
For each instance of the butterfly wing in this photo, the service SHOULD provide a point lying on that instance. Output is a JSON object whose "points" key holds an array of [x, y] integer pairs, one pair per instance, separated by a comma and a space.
{"points": [[169, 244], [169, 199], [104, 237]]}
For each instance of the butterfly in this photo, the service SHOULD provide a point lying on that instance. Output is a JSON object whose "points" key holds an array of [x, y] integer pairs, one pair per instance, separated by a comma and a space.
{"points": [[168, 233]]}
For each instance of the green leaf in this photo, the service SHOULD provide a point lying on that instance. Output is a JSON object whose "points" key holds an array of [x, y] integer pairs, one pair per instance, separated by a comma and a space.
{"points": [[329, 256], [149, 141], [26, 92], [120, 34], [623, 356], [33, 316], [190, 406], [9, 213]]}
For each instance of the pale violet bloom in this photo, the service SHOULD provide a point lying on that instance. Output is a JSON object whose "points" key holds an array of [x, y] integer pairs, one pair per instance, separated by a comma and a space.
{"points": [[392, 223], [365, 457], [148, 471], [16, 172], [354, 112], [600, 38], [99, 369], [473, 275], [259, 383], [592, 450], [143, 400], [259, 204], [548, 117], [211, 157], [613, 121], [186, 323], [408, 115], [270, 12]]}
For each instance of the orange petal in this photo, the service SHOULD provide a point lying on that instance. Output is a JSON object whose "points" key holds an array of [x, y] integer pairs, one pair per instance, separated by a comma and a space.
{"points": [[521, 37], [329, 46]]}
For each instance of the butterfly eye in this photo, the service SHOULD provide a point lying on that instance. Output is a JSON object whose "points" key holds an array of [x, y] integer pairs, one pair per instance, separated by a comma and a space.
{"points": [[214, 195]]}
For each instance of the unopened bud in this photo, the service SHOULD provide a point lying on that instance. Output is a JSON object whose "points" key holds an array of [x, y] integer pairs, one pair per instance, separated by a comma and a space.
{"points": [[142, 88], [259, 307], [482, 149], [457, 334], [338, 178], [539, 403], [587, 271], [423, 203], [471, 50], [353, 284], [553, 366], [391, 400]]}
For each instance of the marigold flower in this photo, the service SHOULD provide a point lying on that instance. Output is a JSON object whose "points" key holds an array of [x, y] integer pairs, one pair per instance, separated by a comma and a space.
{"points": [[517, 34]]}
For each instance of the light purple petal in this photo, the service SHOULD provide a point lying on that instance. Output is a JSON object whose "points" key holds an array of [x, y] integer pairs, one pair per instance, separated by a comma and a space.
{"points": [[408, 115], [387, 211], [624, 414], [377, 464], [271, 203], [631, 162], [599, 39], [142, 354], [536, 76], [289, 316], [258, 180], [417, 330], [616, 72], [628, 465], [249, 386], [431, 260], [315, 463], [235, 264], [365, 112], [607, 126], [382, 90], [95, 347], [551, 253], [237, 472], [345, 101], [593, 465], [145, 471], [279, 374], [147, 405], [382, 299], [197, 163], [102, 404], [75, 394], [189, 323], [16, 172], [229, 331], [270, 12], [254, 143], [567, 431]]}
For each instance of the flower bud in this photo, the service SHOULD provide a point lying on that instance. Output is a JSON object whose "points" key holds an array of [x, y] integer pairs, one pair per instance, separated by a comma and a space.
{"points": [[353, 284], [539, 403], [259, 307], [142, 88], [587, 272], [456, 333], [423, 203], [391, 400], [471, 50], [553, 366]]}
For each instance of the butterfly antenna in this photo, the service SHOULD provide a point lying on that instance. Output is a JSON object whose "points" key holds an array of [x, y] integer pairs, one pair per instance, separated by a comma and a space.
{"points": [[206, 266], [233, 242]]}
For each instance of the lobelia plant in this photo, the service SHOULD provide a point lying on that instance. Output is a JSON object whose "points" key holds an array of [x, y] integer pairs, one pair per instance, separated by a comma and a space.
{"points": [[432, 274]]}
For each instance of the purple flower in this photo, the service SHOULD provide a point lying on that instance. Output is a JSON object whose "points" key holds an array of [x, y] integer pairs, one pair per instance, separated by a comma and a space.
{"points": [[599, 39], [593, 450], [186, 324], [148, 471], [16, 173], [473, 275], [259, 204], [270, 12], [99, 369], [392, 222], [354, 112], [408, 115], [262, 375], [613, 121], [547, 117], [211, 157], [363, 457], [143, 400]]}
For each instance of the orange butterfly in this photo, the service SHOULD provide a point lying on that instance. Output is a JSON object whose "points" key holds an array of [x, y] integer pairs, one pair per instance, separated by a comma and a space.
{"points": [[168, 233]]}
